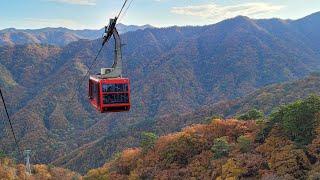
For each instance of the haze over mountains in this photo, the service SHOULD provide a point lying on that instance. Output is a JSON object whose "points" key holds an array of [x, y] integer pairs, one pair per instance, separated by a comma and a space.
{"points": [[56, 36], [173, 71]]}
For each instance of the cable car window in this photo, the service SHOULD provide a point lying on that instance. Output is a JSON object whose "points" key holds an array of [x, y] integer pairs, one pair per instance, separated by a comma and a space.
{"points": [[95, 92], [90, 89], [117, 98], [114, 87]]}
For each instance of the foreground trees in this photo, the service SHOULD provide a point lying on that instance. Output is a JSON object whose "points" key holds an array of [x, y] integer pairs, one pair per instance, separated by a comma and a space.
{"points": [[9, 170], [285, 146]]}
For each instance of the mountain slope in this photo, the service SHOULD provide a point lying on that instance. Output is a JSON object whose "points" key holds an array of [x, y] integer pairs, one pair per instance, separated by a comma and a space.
{"points": [[221, 149], [173, 71], [265, 99]]}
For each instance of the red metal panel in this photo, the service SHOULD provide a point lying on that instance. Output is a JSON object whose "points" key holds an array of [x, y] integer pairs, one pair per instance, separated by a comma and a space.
{"points": [[92, 100], [100, 96]]}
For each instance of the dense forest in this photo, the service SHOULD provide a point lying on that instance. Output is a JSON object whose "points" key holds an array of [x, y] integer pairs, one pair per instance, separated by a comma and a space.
{"points": [[284, 145], [203, 103]]}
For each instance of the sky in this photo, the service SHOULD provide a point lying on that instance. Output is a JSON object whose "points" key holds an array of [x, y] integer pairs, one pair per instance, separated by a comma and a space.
{"points": [[94, 14]]}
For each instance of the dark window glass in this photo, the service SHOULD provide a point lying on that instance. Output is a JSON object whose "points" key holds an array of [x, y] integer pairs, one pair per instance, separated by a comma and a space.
{"points": [[117, 98], [95, 92], [90, 89], [114, 87]]}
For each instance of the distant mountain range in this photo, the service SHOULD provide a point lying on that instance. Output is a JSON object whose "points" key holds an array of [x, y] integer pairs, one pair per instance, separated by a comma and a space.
{"points": [[56, 36], [174, 71]]}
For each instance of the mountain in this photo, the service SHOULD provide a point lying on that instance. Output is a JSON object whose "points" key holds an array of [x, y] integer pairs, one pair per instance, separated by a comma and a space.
{"points": [[173, 71], [56, 36]]}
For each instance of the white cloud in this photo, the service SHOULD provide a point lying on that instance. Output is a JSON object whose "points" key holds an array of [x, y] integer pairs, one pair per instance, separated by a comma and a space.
{"points": [[217, 12], [80, 2]]}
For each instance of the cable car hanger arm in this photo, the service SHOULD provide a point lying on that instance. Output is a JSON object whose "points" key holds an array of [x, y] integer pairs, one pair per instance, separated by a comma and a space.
{"points": [[108, 31], [116, 69]]}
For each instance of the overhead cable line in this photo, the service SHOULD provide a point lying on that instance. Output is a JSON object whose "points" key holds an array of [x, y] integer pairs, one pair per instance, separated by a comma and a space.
{"points": [[125, 12], [124, 4], [87, 73], [10, 122]]}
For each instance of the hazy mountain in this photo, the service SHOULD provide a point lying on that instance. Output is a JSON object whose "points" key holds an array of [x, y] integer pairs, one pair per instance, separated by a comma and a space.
{"points": [[173, 71], [56, 36]]}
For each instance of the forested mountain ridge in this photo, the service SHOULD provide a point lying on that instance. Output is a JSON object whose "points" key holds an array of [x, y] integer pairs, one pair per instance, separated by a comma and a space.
{"points": [[173, 71], [56, 36]]}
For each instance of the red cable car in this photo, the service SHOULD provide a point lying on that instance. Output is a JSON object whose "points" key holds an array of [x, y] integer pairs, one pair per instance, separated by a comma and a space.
{"points": [[109, 95], [109, 91]]}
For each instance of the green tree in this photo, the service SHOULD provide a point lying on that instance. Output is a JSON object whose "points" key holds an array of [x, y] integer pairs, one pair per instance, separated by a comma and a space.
{"points": [[252, 114], [148, 140], [315, 73], [220, 147], [244, 143], [2, 154], [299, 119], [208, 120]]}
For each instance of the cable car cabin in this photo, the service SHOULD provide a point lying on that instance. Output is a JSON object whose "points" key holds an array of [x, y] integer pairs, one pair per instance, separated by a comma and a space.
{"points": [[110, 94]]}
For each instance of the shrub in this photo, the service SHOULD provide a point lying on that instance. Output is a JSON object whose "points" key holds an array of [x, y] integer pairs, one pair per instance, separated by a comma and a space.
{"points": [[2, 154], [208, 120], [183, 149], [220, 148], [299, 119], [244, 143], [252, 114], [315, 73], [148, 140]]}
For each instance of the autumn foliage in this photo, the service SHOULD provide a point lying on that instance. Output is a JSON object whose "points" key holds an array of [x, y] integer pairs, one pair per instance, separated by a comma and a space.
{"points": [[271, 148], [230, 149], [9, 170]]}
